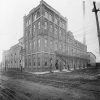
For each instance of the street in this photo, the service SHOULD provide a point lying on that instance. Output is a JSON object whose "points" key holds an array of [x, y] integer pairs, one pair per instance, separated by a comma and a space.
{"points": [[25, 86]]}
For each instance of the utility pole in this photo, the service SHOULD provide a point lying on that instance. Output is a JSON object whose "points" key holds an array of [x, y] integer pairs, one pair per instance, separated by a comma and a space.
{"points": [[97, 21]]}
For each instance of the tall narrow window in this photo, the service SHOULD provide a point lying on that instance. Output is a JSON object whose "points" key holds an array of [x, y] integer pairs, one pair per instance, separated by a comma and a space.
{"points": [[51, 45], [39, 25], [45, 41], [56, 20], [30, 46], [46, 14], [38, 14], [34, 17], [45, 25], [34, 28], [56, 46], [56, 30], [29, 21], [39, 42], [60, 33], [34, 44], [38, 61], [51, 28], [50, 17]]}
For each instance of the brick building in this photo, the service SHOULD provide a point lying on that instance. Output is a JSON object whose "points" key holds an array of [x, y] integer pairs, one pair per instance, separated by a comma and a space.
{"points": [[47, 39], [13, 58]]}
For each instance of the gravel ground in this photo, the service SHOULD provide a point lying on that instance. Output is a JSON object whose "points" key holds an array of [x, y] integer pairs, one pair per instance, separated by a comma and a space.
{"points": [[26, 89]]}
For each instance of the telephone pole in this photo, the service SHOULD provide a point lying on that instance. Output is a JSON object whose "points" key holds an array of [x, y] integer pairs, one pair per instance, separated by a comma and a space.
{"points": [[97, 21]]}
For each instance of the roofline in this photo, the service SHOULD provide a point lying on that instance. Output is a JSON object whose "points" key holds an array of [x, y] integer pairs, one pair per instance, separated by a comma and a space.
{"points": [[91, 53], [47, 5]]}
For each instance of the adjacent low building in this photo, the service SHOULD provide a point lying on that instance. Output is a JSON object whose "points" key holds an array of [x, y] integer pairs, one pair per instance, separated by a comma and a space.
{"points": [[13, 57], [92, 59]]}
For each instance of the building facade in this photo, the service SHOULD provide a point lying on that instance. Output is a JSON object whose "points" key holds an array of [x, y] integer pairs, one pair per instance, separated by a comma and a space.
{"points": [[92, 59], [13, 57], [47, 40]]}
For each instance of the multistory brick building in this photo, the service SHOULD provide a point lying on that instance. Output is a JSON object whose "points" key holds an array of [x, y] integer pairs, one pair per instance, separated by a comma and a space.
{"points": [[47, 40]]}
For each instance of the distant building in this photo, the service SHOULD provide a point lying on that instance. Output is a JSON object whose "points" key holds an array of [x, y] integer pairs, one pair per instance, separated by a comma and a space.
{"points": [[92, 59], [13, 58], [47, 38]]}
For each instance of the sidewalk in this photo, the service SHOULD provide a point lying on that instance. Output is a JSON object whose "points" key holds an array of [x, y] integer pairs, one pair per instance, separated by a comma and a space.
{"points": [[46, 72]]}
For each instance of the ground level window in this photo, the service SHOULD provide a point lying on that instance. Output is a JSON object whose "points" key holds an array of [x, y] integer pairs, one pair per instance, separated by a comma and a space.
{"points": [[45, 64], [38, 62]]}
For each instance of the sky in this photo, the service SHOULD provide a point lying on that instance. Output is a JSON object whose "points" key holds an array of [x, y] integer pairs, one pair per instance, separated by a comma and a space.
{"points": [[11, 21]]}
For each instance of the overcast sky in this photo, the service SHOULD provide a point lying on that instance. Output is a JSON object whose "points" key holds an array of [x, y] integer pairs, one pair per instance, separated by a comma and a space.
{"points": [[11, 21]]}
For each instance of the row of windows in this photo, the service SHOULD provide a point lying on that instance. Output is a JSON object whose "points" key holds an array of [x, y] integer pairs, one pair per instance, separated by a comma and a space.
{"points": [[57, 20], [56, 45], [33, 62], [56, 30], [49, 16], [34, 17]]}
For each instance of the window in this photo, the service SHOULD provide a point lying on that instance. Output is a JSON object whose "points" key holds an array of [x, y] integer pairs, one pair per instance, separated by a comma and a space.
{"points": [[45, 61], [60, 47], [60, 23], [45, 42], [51, 28], [45, 25], [26, 24], [39, 42], [39, 25], [51, 43], [26, 47], [34, 17], [60, 33], [56, 30], [29, 21], [34, 28], [50, 17], [38, 14], [55, 20], [30, 45], [46, 14], [45, 64], [64, 26], [56, 46], [29, 60], [33, 60], [34, 44], [63, 47], [38, 61]]}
